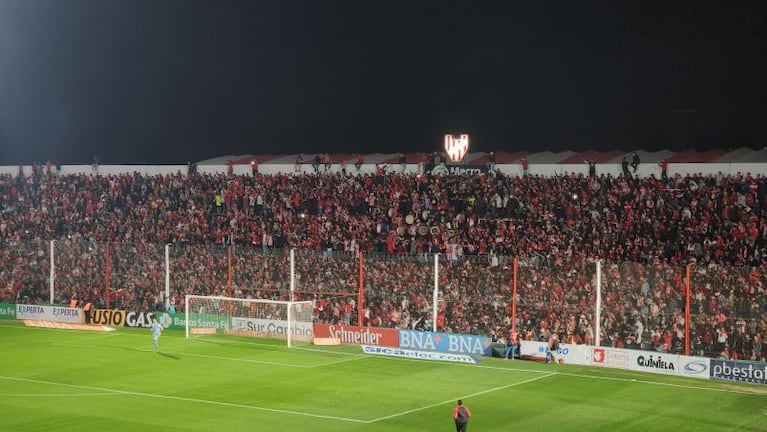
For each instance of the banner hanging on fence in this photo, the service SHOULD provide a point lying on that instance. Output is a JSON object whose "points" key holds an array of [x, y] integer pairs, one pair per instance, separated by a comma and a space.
{"points": [[49, 313]]}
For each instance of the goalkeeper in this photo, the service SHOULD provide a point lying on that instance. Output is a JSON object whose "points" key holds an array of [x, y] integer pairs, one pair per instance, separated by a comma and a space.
{"points": [[156, 332]]}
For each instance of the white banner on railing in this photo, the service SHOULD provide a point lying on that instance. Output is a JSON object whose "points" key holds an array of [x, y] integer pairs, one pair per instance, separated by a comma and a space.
{"points": [[272, 327], [532, 350], [653, 361], [694, 367], [610, 357], [49, 313]]}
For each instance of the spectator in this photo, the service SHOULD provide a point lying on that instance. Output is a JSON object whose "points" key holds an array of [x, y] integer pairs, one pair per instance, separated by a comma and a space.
{"points": [[663, 164], [625, 168], [299, 163], [328, 162], [592, 168], [646, 231], [491, 162]]}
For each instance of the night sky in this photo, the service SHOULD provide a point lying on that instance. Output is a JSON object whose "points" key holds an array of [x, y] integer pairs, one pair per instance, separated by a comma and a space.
{"points": [[167, 81]]}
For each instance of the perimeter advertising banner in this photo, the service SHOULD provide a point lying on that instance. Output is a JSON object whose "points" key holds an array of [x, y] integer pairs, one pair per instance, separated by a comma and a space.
{"points": [[109, 317], [139, 319], [533, 350], [694, 367], [7, 311], [446, 342], [272, 328], [377, 336], [177, 321], [653, 361], [740, 371], [49, 313]]}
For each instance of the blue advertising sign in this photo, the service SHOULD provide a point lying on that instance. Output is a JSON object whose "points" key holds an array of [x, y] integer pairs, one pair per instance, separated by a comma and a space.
{"points": [[445, 342], [740, 371]]}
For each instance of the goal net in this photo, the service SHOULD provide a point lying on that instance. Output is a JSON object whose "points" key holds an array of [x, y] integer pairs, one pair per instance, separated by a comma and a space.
{"points": [[289, 321]]}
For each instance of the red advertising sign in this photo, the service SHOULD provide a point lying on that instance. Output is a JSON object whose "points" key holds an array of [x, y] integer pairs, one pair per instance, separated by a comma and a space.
{"points": [[358, 335]]}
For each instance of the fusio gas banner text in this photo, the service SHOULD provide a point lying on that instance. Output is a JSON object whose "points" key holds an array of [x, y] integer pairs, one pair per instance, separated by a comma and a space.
{"points": [[378, 336], [138, 319], [445, 342], [49, 313], [109, 317]]}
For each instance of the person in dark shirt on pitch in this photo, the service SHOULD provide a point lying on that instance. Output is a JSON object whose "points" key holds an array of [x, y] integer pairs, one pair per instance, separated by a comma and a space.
{"points": [[461, 416]]}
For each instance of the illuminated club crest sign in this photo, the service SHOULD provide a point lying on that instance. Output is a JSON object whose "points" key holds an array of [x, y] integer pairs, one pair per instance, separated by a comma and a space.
{"points": [[456, 147]]}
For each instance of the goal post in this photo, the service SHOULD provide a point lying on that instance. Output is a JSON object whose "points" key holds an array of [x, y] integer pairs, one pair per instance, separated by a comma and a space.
{"points": [[272, 319]]}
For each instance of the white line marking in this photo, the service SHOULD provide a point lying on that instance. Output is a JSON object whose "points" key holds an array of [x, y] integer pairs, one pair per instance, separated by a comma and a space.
{"points": [[658, 383], [344, 360], [597, 377], [460, 397], [182, 353], [58, 394], [185, 399]]}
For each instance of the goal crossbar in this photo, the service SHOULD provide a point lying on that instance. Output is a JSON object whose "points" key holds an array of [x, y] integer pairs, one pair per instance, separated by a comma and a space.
{"points": [[273, 319]]}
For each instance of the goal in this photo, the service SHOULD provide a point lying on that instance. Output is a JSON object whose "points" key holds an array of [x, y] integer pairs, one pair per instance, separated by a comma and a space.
{"points": [[289, 321]]}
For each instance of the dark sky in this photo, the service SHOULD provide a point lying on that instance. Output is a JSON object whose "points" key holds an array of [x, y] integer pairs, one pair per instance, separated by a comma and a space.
{"points": [[166, 81]]}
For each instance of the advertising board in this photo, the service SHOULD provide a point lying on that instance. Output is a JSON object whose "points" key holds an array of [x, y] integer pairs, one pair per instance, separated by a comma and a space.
{"points": [[7, 311], [655, 362], [378, 336], [271, 328], [446, 342], [740, 371], [694, 367], [49, 313]]}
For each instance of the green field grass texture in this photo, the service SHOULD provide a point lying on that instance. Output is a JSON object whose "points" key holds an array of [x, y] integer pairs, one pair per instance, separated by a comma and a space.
{"points": [[65, 380]]}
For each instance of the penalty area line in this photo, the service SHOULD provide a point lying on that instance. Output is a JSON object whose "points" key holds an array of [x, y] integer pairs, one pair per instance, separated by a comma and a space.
{"points": [[182, 353], [185, 399], [399, 414]]}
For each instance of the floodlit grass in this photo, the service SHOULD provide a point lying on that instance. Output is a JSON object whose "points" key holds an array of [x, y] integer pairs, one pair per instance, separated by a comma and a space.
{"points": [[63, 380]]}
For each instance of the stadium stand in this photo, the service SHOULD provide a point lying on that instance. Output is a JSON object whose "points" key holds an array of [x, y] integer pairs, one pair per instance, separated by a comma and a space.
{"points": [[233, 232]]}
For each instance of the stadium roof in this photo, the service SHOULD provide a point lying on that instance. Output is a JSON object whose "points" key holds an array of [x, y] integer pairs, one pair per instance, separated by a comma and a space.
{"points": [[545, 157]]}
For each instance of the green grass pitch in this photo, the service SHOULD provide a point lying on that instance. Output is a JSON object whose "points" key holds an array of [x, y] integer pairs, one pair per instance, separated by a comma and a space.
{"points": [[65, 380]]}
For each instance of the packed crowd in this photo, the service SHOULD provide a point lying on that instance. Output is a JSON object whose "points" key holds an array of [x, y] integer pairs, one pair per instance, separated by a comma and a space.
{"points": [[230, 234]]}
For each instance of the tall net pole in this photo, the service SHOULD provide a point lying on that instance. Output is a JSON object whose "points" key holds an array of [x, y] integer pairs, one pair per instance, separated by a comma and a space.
{"points": [[598, 306], [229, 270], [292, 273], [167, 277], [361, 291], [107, 275], [435, 295], [687, 311], [52, 273], [514, 297]]}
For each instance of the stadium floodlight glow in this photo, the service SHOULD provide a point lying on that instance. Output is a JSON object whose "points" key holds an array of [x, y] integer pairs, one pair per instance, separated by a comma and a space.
{"points": [[456, 147], [272, 319]]}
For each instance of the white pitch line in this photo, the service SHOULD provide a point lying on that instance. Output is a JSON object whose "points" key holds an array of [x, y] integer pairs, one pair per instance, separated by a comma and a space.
{"points": [[58, 394], [186, 399], [190, 354], [344, 360], [658, 383], [460, 397]]}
